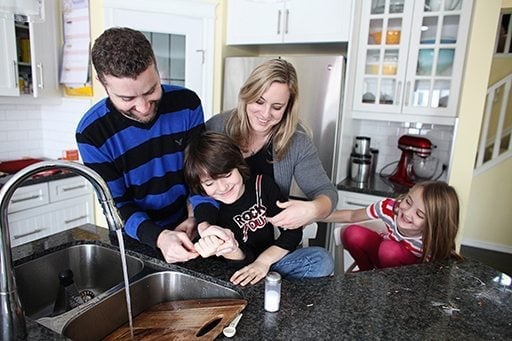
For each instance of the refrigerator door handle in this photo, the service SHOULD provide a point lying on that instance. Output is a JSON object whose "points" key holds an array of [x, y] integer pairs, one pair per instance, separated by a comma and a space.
{"points": [[287, 15], [279, 22]]}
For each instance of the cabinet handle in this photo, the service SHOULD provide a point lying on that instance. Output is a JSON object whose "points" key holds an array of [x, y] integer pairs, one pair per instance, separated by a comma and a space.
{"points": [[287, 15], [355, 203], [14, 201], [407, 87], [15, 67], [398, 94], [75, 219], [40, 84], [65, 189], [279, 22], [18, 236]]}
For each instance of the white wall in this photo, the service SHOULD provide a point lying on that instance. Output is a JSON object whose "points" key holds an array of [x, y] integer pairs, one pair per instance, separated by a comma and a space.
{"points": [[39, 130]]}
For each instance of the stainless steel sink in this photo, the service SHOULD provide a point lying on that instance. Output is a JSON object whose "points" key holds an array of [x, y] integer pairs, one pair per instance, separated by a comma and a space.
{"points": [[108, 315], [95, 268]]}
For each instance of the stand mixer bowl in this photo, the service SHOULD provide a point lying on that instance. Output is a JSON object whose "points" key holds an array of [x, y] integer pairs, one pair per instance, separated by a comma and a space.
{"points": [[423, 168]]}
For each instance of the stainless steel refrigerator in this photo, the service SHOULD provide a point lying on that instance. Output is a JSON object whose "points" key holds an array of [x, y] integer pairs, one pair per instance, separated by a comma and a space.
{"points": [[321, 80]]}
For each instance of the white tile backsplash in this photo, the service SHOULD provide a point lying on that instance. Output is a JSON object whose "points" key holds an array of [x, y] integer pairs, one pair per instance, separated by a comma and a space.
{"points": [[384, 136], [39, 130]]}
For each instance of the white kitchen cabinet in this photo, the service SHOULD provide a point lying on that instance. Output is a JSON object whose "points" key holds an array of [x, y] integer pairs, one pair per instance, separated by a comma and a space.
{"points": [[290, 21], [37, 211], [29, 61], [410, 58], [352, 200]]}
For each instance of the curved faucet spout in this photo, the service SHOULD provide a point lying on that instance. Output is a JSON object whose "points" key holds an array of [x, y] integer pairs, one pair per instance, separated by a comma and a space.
{"points": [[12, 317]]}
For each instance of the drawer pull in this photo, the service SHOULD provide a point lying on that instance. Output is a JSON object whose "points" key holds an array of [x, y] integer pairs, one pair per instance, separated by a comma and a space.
{"points": [[65, 189], [75, 219], [356, 203], [18, 236], [14, 201]]}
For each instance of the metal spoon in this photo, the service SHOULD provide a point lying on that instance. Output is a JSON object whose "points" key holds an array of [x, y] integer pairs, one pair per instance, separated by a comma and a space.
{"points": [[230, 330]]}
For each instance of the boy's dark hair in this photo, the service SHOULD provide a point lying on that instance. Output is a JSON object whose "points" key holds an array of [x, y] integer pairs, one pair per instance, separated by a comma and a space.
{"points": [[212, 155], [121, 52]]}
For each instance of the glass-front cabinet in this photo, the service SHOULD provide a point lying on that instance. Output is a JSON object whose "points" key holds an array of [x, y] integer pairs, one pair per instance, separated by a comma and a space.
{"points": [[411, 56]]}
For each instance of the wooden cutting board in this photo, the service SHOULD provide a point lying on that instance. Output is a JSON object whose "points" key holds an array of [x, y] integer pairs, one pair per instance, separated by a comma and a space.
{"points": [[198, 319]]}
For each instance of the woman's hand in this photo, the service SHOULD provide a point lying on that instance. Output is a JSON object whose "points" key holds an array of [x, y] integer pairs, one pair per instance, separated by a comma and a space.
{"points": [[250, 274], [298, 213]]}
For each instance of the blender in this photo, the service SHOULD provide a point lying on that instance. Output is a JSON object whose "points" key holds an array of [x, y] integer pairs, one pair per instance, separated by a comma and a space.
{"points": [[415, 163]]}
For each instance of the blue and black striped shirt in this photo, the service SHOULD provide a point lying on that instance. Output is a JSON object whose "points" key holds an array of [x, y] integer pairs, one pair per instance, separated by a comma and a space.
{"points": [[142, 163]]}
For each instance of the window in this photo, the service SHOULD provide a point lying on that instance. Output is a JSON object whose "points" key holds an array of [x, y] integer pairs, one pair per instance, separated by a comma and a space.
{"points": [[504, 34]]}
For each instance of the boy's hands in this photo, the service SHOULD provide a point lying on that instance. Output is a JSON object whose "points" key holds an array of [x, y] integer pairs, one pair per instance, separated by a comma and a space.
{"points": [[207, 246]]}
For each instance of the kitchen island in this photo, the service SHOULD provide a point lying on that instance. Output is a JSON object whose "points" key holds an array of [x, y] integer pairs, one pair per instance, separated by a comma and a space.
{"points": [[447, 301]]}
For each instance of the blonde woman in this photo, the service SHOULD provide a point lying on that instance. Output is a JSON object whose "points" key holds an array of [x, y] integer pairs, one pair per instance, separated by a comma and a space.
{"points": [[265, 125]]}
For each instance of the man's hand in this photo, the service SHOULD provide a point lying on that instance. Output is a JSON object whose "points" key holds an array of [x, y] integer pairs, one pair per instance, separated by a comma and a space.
{"points": [[176, 246], [189, 227]]}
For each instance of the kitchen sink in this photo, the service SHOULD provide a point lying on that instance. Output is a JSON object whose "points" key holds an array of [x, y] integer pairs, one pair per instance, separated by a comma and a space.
{"points": [[106, 316], [96, 270]]}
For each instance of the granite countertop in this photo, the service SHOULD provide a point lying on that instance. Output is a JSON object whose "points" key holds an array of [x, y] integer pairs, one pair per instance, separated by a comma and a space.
{"points": [[39, 179], [448, 301], [377, 185]]}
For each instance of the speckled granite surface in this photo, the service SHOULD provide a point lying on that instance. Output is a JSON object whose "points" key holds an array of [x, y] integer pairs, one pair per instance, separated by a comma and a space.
{"points": [[377, 185], [451, 301]]}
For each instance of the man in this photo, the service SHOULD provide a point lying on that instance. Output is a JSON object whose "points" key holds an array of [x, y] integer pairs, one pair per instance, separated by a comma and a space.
{"points": [[135, 139]]}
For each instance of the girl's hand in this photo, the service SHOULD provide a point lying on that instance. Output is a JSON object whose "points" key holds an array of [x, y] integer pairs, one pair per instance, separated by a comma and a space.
{"points": [[250, 274], [295, 214], [207, 246]]}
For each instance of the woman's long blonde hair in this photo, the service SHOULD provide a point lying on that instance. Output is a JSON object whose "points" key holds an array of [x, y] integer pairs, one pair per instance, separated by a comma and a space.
{"points": [[441, 220], [258, 82]]}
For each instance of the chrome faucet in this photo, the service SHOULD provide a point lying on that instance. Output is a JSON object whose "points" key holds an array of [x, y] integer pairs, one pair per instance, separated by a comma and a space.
{"points": [[12, 316]]}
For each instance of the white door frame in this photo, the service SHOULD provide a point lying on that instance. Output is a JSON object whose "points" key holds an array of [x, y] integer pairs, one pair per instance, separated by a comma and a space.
{"points": [[193, 18]]}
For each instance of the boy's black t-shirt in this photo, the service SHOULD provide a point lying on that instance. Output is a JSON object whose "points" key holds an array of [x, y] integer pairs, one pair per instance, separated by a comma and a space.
{"points": [[247, 218]]}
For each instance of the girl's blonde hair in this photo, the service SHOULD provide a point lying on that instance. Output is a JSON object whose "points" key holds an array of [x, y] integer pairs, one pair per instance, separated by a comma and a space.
{"points": [[259, 81], [441, 220]]}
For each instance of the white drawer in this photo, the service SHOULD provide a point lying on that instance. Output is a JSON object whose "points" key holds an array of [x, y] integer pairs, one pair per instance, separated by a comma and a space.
{"points": [[28, 197], [355, 200], [68, 188], [40, 222]]}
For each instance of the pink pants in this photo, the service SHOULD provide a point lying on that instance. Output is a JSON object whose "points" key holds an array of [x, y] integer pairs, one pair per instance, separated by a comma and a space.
{"points": [[371, 251]]}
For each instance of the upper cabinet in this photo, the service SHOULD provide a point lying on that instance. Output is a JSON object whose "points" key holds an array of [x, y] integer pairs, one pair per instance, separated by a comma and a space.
{"points": [[29, 60], [287, 21], [410, 58]]}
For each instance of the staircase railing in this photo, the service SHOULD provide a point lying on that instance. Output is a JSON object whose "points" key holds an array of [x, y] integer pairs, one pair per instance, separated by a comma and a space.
{"points": [[495, 146]]}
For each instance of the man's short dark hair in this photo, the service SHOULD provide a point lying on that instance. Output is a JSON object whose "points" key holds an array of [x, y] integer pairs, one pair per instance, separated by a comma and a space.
{"points": [[121, 52]]}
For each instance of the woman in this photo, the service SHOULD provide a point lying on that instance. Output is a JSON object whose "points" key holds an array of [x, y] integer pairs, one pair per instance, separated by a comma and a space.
{"points": [[265, 125]]}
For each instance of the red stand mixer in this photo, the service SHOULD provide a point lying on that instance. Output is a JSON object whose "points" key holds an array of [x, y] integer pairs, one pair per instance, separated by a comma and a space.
{"points": [[410, 145]]}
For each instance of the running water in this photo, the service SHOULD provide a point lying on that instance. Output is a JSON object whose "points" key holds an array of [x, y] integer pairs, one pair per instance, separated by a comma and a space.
{"points": [[119, 233]]}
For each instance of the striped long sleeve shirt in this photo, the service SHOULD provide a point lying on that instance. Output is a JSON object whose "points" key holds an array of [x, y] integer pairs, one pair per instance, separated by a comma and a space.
{"points": [[142, 163]]}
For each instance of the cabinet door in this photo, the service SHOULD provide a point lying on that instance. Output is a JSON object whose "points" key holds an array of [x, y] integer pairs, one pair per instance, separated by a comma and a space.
{"points": [[321, 21], [27, 197], [436, 57], [410, 57], [44, 49], [382, 55], [8, 57], [255, 22]]}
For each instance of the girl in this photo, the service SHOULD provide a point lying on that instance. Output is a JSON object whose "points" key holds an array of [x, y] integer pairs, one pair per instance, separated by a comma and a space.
{"points": [[215, 166], [420, 226]]}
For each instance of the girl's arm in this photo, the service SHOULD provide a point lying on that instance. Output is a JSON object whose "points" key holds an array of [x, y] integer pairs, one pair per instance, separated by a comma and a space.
{"points": [[257, 270], [347, 216]]}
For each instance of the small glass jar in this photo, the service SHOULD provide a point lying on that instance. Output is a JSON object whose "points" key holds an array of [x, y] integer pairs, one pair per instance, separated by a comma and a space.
{"points": [[272, 291]]}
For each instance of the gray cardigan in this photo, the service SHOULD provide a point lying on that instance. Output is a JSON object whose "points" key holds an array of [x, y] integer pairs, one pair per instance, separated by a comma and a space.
{"points": [[300, 162]]}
